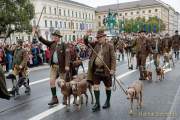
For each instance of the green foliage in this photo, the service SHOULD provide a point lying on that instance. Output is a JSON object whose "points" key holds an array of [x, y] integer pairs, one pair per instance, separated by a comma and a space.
{"points": [[15, 16], [138, 24]]}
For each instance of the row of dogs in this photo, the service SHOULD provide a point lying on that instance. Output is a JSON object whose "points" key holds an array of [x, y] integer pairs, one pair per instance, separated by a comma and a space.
{"points": [[79, 87], [159, 73]]}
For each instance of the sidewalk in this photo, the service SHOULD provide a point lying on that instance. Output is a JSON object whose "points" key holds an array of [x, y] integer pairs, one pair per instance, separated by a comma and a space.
{"points": [[45, 66]]}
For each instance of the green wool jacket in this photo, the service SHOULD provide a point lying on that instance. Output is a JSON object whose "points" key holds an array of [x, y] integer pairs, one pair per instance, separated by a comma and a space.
{"points": [[20, 57]]}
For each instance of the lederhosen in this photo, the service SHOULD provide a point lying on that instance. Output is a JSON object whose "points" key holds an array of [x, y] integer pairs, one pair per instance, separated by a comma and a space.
{"points": [[99, 71]]}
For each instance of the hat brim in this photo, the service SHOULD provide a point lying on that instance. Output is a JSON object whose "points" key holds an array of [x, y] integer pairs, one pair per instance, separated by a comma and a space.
{"points": [[102, 35], [57, 35]]}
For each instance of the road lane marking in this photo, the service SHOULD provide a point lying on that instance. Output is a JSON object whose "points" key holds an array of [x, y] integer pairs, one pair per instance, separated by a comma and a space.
{"points": [[49, 112], [126, 74], [35, 82], [173, 106]]}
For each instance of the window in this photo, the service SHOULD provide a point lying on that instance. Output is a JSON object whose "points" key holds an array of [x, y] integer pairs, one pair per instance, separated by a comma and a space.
{"points": [[120, 14], [60, 12], [77, 26], [68, 13], [50, 23], [69, 25], [79, 14], [55, 11], [143, 11], [149, 11], [86, 26], [83, 15], [125, 13], [72, 14], [64, 12], [69, 37], [99, 17], [131, 13], [137, 12], [76, 14], [49, 10], [89, 26], [60, 24], [44, 10], [92, 17], [56, 24], [86, 15], [45, 23], [65, 25], [72, 25], [156, 10], [89, 16]]}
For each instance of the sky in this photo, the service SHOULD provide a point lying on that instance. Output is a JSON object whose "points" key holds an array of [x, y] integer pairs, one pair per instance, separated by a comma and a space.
{"points": [[94, 3]]}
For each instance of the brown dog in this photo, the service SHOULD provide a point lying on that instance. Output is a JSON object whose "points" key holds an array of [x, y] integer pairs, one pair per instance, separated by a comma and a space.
{"points": [[160, 73], [147, 75], [66, 91], [79, 87], [135, 92]]}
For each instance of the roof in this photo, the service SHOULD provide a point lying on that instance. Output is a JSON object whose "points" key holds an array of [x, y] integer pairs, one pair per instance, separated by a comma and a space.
{"points": [[77, 3], [128, 5]]}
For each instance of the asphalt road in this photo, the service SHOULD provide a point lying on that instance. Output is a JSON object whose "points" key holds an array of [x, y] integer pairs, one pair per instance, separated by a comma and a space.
{"points": [[161, 100]]}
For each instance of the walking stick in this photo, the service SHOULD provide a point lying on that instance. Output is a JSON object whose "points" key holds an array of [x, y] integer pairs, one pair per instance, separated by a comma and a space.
{"points": [[39, 19], [108, 69]]}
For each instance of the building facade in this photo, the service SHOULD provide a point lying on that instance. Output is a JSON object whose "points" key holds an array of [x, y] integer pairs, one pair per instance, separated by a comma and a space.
{"points": [[71, 18], [178, 22], [142, 8]]}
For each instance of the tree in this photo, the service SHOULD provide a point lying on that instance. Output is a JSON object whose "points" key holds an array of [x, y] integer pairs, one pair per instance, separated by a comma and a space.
{"points": [[15, 16], [153, 24], [154, 21]]}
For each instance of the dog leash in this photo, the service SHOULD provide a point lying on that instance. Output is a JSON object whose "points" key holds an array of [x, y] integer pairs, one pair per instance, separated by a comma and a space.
{"points": [[119, 82], [114, 87]]}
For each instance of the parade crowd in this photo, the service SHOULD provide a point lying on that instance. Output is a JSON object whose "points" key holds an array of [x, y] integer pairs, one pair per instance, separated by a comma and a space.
{"points": [[36, 53], [65, 58]]}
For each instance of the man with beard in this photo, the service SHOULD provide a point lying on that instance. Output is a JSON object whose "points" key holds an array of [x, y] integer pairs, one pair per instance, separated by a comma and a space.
{"points": [[143, 49], [59, 61], [98, 71]]}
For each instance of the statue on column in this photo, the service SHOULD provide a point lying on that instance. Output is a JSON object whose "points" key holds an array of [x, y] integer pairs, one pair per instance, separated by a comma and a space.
{"points": [[110, 21]]}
